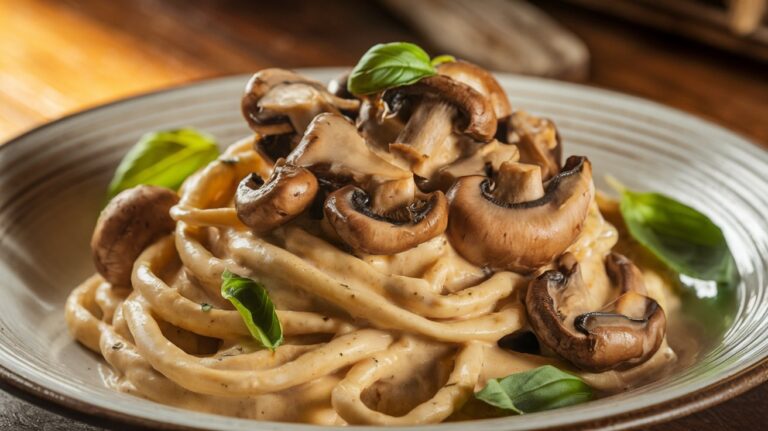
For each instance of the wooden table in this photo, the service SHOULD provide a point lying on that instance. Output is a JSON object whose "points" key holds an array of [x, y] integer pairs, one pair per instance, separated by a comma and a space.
{"points": [[60, 56]]}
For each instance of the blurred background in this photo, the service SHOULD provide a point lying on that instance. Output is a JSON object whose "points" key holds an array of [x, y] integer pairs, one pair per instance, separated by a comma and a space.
{"points": [[707, 57]]}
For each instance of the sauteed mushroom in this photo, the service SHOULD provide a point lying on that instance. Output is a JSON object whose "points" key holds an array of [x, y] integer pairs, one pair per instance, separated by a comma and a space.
{"points": [[265, 206], [624, 334], [130, 222], [381, 213], [441, 106], [481, 80], [488, 158], [349, 212], [516, 223], [538, 141], [279, 101], [334, 150]]}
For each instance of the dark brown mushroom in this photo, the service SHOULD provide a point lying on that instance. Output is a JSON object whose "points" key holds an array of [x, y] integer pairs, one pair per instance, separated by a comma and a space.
{"points": [[263, 206], [504, 225], [480, 80], [538, 141], [349, 212], [338, 86], [624, 334], [130, 222], [443, 111], [279, 101]]}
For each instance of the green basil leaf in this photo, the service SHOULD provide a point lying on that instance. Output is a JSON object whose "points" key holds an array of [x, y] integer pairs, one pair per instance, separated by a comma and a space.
{"points": [[164, 158], [683, 238], [251, 300], [543, 388], [389, 65], [440, 59]]}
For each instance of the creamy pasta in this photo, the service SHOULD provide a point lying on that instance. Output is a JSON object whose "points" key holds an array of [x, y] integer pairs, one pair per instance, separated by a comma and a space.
{"points": [[386, 339]]}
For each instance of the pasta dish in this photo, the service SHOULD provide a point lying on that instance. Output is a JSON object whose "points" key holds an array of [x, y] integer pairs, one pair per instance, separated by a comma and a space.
{"points": [[415, 243]]}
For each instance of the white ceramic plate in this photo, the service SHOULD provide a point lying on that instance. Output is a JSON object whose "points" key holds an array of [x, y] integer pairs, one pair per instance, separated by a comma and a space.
{"points": [[52, 183]]}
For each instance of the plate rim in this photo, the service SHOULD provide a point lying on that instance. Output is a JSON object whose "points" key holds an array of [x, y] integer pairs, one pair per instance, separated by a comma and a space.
{"points": [[715, 393]]}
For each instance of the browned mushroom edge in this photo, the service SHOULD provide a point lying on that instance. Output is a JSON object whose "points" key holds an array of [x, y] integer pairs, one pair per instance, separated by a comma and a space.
{"points": [[349, 212], [478, 117], [263, 206], [268, 122], [129, 223], [335, 152], [600, 340], [519, 236], [481, 80]]}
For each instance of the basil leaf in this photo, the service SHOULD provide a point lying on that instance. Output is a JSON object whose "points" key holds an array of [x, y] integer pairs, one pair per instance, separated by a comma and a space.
{"points": [[251, 300], [543, 388], [681, 237], [440, 59], [164, 158], [388, 65]]}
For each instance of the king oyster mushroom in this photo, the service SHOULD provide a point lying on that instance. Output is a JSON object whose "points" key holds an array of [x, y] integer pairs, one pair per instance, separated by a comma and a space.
{"points": [[278, 104], [538, 141], [624, 334], [381, 211], [443, 111], [515, 222]]}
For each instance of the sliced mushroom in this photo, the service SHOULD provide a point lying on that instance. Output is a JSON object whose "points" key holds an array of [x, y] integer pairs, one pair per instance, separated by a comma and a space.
{"points": [[498, 225], [624, 334], [349, 212], [481, 80], [377, 124], [334, 150], [279, 101], [441, 106], [130, 222], [485, 161], [265, 206], [383, 197], [538, 141]]}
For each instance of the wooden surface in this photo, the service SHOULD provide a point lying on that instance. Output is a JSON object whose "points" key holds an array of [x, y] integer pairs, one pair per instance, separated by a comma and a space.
{"points": [[59, 56]]}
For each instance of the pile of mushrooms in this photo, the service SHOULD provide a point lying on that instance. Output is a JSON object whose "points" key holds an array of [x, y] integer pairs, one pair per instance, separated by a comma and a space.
{"points": [[386, 172], [446, 155]]}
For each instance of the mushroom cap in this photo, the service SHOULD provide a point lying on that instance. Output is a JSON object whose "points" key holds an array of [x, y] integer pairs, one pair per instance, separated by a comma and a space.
{"points": [[481, 80], [263, 206], [477, 113], [348, 212], [338, 86], [519, 236], [624, 334], [129, 223], [275, 99]]}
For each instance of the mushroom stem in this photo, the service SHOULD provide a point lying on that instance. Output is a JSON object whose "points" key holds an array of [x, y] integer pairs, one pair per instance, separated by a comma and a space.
{"points": [[392, 195], [424, 143], [518, 182]]}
